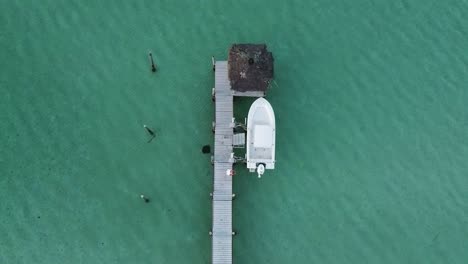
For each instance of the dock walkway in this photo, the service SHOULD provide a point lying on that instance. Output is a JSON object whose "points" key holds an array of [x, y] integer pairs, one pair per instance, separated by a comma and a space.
{"points": [[222, 192]]}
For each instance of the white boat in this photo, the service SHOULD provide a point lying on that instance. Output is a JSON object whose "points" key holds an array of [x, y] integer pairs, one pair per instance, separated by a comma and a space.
{"points": [[260, 153]]}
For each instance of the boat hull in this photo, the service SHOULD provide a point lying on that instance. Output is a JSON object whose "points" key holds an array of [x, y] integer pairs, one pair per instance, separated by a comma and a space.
{"points": [[261, 135]]}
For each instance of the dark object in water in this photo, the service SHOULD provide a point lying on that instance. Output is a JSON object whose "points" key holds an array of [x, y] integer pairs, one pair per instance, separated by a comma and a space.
{"points": [[206, 149], [153, 66], [146, 199], [150, 132]]}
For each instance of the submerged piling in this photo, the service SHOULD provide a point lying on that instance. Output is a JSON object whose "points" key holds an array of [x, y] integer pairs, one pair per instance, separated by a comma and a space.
{"points": [[144, 198], [153, 66]]}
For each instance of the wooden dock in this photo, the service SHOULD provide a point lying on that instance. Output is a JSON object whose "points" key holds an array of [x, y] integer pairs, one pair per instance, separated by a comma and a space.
{"points": [[222, 193]]}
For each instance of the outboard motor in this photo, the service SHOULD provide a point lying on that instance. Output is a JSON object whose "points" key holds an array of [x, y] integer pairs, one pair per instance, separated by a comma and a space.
{"points": [[260, 170]]}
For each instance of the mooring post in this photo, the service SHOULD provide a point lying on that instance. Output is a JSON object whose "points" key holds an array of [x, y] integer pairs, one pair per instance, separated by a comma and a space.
{"points": [[213, 62], [233, 122], [153, 66]]}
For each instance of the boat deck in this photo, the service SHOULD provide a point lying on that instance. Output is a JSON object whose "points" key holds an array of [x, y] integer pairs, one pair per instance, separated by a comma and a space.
{"points": [[260, 154], [222, 192]]}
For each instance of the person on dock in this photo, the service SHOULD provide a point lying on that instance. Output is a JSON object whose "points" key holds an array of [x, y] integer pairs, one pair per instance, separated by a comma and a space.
{"points": [[150, 132]]}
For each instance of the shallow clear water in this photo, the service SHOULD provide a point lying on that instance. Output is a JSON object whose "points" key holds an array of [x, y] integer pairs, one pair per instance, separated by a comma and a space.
{"points": [[370, 102]]}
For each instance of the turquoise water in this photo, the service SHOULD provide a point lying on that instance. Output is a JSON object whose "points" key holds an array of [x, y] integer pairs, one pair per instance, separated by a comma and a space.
{"points": [[370, 101]]}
